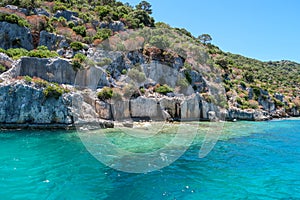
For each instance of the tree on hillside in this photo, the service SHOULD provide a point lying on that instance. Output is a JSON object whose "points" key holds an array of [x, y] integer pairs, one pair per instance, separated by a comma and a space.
{"points": [[205, 38], [144, 5]]}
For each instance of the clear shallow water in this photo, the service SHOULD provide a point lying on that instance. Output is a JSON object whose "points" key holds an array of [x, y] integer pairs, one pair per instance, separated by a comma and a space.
{"points": [[252, 160]]}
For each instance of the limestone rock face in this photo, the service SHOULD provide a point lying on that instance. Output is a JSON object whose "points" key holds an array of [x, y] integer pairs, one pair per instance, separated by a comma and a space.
{"points": [[121, 110], [190, 108], [161, 73], [113, 62], [145, 107], [267, 104], [92, 78], [115, 26], [50, 69], [68, 15], [21, 103], [51, 40], [15, 36], [197, 80]]}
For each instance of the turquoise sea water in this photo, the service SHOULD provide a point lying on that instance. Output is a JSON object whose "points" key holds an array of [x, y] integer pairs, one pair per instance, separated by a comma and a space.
{"points": [[251, 160]]}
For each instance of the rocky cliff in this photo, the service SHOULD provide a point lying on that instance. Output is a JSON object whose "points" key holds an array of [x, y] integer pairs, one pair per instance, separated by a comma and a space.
{"points": [[92, 71]]}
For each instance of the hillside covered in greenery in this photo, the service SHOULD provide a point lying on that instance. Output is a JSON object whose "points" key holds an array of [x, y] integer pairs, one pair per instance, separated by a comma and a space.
{"points": [[77, 26]]}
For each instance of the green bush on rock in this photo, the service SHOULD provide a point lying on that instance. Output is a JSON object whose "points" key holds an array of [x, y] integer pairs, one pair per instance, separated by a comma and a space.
{"points": [[76, 46], [105, 94], [14, 19], [54, 90], [42, 52], [163, 89]]}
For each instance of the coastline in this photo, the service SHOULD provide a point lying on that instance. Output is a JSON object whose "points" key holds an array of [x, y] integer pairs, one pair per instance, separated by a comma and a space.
{"points": [[115, 124]]}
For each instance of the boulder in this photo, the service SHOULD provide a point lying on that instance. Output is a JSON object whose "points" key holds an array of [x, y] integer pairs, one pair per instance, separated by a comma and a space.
{"points": [[279, 97], [15, 36], [115, 26], [212, 116], [52, 41], [41, 11], [68, 15]]}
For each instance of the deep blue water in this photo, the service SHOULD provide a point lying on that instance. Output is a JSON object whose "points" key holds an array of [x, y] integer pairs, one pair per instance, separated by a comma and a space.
{"points": [[252, 160]]}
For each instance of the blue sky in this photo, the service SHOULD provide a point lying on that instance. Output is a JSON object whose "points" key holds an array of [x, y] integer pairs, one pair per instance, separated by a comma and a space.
{"points": [[261, 29]]}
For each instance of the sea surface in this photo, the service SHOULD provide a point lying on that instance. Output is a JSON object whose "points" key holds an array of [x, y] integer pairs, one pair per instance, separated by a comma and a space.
{"points": [[251, 160]]}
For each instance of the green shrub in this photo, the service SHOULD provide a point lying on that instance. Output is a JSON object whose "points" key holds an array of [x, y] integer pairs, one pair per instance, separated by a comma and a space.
{"points": [[253, 104], [103, 34], [124, 71], [160, 41], [2, 50], [76, 46], [239, 100], [129, 90], [80, 57], [249, 77], [54, 90], [62, 20], [14, 19], [104, 61], [77, 61], [85, 17], [142, 90], [76, 65], [43, 48], [42, 53], [243, 84], [28, 79], [136, 75], [188, 76], [59, 6], [278, 103], [105, 94], [16, 53], [81, 30], [256, 91], [164, 89], [71, 24], [183, 83], [40, 82], [2, 68]]}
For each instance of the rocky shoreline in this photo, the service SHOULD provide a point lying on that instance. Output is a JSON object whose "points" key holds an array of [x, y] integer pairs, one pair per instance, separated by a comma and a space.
{"points": [[24, 103]]}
